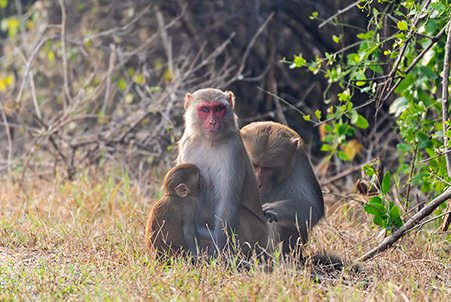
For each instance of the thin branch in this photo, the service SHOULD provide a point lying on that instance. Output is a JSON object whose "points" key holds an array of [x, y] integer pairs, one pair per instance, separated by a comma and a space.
{"points": [[282, 100], [8, 136], [412, 167], [429, 220], [28, 65], [111, 64], [343, 174], [445, 104], [412, 222], [445, 117], [68, 97], [251, 44], [340, 11]]}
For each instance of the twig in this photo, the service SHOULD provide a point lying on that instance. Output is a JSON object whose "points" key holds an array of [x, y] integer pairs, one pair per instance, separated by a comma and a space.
{"points": [[34, 96], [445, 118], [68, 97], [29, 63], [282, 100], [391, 76], [445, 104], [109, 74], [412, 167], [340, 11], [343, 174], [412, 222], [251, 44], [435, 156], [429, 220], [8, 136]]}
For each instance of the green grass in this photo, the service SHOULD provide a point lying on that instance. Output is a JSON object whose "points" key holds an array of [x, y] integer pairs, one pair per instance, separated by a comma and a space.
{"points": [[84, 240]]}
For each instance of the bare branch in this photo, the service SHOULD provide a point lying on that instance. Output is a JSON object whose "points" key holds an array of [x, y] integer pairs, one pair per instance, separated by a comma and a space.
{"points": [[445, 117], [340, 11], [445, 104], [64, 54], [412, 222]]}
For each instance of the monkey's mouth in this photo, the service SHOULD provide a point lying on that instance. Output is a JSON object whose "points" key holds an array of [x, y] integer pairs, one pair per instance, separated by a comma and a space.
{"points": [[213, 130]]}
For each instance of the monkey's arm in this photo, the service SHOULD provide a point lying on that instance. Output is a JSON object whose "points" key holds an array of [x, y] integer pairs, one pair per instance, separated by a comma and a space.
{"points": [[189, 234], [189, 226]]}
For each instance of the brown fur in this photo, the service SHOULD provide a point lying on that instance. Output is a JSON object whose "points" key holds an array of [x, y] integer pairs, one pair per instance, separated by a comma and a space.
{"points": [[170, 225], [290, 192]]}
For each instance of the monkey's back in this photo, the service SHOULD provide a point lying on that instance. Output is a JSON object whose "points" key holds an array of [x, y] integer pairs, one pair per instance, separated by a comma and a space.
{"points": [[164, 229]]}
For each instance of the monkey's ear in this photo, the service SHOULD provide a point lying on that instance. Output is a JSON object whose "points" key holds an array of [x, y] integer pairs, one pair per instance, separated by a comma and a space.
{"points": [[188, 98], [296, 141], [231, 99], [181, 190]]}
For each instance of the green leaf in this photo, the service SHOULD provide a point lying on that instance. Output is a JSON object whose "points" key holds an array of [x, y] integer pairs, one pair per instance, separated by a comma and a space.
{"points": [[353, 58], [398, 222], [139, 79], [394, 213], [326, 148], [298, 62], [366, 36], [343, 156], [402, 25], [361, 122], [307, 117], [336, 39], [318, 114], [368, 170], [378, 220], [386, 183], [374, 209], [354, 116], [403, 147], [344, 96], [3, 3], [314, 15], [122, 84]]}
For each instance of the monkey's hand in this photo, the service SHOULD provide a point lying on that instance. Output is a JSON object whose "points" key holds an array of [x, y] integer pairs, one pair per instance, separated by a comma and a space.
{"points": [[271, 215], [283, 212]]}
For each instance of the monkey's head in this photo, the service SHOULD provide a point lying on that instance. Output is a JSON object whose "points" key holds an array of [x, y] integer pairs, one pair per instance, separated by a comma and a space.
{"points": [[182, 180], [272, 151], [209, 112]]}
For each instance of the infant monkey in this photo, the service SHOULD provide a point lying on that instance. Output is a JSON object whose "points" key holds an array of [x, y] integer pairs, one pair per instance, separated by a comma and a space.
{"points": [[170, 226]]}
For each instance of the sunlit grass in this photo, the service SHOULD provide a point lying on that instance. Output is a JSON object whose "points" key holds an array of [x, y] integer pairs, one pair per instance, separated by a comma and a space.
{"points": [[85, 240]]}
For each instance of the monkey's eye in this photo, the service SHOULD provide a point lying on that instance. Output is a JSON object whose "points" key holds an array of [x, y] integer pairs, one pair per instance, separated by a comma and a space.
{"points": [[218, 108], [204, 109]]}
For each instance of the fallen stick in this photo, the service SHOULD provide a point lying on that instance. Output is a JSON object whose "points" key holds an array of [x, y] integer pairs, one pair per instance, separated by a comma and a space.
{"points": [[414, 220]]}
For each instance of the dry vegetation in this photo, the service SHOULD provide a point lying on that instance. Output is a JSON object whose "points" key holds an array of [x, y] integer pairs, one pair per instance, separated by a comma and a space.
{"points": [[100, 86], [84, 240]]}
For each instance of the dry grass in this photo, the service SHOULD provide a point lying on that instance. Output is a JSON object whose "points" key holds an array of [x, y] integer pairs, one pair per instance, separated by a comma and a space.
{"points": [[85, 240]]}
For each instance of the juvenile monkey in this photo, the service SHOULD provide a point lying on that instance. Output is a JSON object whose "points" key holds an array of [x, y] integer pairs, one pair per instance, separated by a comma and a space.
{"points": [[230, 202], [171, 223], [291, 195]]}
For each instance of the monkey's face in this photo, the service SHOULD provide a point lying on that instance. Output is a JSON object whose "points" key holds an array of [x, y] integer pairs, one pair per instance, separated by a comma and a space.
{"points": [[265, 178], [272, 152], [211, 114]]}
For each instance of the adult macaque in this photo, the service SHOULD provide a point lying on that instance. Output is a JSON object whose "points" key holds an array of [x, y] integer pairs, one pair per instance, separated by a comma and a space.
{"points": [[288, 187], [230, 200], [171, 223]]}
